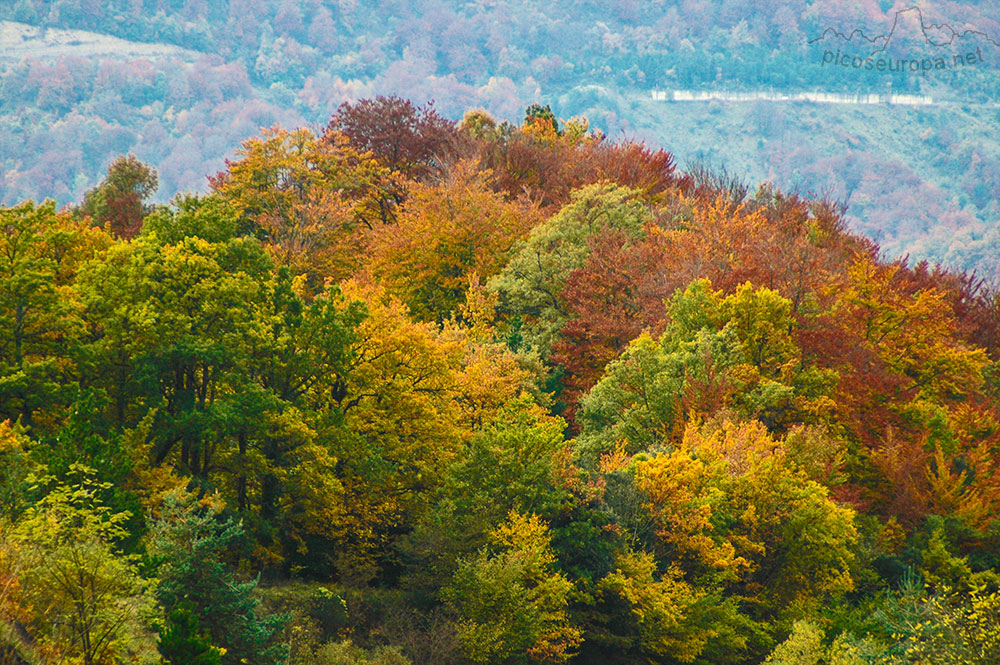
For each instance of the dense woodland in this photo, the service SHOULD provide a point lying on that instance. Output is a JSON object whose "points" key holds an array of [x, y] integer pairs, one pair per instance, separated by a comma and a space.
{"points": [[923, 181], [407, 390]]}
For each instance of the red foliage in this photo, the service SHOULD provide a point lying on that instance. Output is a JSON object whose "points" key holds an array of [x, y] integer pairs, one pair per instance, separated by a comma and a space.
{"points": [[618, 294], [548, 171], [415, 140]]}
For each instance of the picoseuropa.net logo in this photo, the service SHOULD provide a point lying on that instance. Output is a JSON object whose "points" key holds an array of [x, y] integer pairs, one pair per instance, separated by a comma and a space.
{"points": [[918, 46], [901, 64]]}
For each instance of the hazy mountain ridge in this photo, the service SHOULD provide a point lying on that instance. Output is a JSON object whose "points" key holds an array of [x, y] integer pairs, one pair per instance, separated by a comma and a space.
{"points": [[294, 61]]}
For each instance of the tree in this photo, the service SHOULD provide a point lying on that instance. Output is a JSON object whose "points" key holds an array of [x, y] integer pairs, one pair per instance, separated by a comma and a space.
{"points": [[397, 425], [962, 628], [541, 114], [446, 233], [912, 333], [175, 322], [536, 160], [511, 604], [617, 295], [907, 375], [648, 394], [716, 351], [309, 199], [119, 201], [40, 320], [517, 461], [188, 541], [730, 504], [803, 646], [182, 641], [663, 607], [413, 140], [236, 370], [88, 600], [323, 31], [15, 611], [347, 653], [531, 284], [17, 464]]}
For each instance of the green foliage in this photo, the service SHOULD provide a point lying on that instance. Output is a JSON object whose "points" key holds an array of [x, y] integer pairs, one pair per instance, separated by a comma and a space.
{"points": [[803, 647], [39, 313], [516, 462], [16, 467], [536, 113], [182, 641], [300, 379], [641, 400], [188, 541], [963, 628], [88, 600], [510, 602], [531, 284], [209, 218], [346, 653], [717, 351]]}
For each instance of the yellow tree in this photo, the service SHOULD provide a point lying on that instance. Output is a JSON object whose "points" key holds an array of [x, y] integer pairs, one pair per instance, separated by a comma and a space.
{"points": [[492, 374], [88, 601], [661, 605], [731, 506], [511, 603], [309, 199], [446, 232], [398, 425], [913, 331]]}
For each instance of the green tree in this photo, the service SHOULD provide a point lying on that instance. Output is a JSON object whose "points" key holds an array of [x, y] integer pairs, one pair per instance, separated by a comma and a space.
{"points": [[543, 115], [347, 653], [88, 600], [531, 284], [40, 320], [182, 642], [510, 601], [207, 217], [963, 628], [175, 321], [189, 541], [519, 461], [717, 351], [16, 465]]}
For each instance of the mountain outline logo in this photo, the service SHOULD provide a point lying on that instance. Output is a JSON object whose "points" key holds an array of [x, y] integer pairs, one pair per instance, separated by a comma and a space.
{"points": [[885, 39]]}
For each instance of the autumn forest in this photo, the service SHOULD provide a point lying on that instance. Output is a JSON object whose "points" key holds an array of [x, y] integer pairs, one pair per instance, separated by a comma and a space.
{"points": [[406, 390]]}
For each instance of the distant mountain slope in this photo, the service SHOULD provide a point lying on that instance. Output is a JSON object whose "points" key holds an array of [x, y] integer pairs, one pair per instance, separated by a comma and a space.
{"points": [[20, 40], [66, 109]]}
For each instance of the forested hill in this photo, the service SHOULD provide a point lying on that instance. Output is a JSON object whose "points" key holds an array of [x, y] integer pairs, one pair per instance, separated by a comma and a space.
{"points": [[409, 391], [923, 181]]}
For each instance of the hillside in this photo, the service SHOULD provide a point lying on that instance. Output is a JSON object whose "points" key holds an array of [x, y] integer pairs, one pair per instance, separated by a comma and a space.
{"points": [[406, 391], [19, 41], [924, 182]]}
